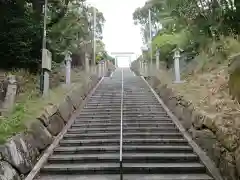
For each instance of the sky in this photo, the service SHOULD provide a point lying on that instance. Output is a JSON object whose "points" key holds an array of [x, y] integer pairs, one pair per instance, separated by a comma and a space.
{"points": [[119, 33]]}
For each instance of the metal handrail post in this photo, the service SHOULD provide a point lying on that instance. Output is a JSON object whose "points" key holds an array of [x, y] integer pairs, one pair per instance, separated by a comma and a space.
{"points": [[121, 133]]}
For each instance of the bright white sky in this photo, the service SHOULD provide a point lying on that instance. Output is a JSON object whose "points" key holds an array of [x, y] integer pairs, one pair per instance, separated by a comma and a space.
{"points": [[119, 33]]}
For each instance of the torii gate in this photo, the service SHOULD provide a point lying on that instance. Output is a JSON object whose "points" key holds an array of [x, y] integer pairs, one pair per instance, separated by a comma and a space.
{"points": [[122, 54]]}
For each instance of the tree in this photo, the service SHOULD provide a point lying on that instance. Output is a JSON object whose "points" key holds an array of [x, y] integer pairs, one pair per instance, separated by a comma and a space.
{"points": [[196, 22], [69, 25]]}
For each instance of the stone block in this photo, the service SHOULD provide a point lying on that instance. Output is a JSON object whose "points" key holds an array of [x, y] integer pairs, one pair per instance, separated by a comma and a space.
{"points": [[7, 172], [154, 81], [209, 122], [197, 120], [227, 137], [178, 111], [76, 98], [20, 153], [56, 124], [85, 89], [237, 159], [42, 137], [186, 117], [46, 113], [227, 166], [208, 142], [66, 109], [172, 103], [164, 94]]}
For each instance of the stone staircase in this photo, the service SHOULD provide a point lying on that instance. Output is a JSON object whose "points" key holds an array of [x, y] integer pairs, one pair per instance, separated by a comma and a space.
{"points": [[153, 147]]}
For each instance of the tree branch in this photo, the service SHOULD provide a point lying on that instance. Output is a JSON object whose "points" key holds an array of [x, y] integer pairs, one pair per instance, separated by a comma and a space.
{"points": [[60, 15]]}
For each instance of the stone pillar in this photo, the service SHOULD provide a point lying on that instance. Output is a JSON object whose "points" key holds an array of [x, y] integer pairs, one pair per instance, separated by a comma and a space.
{"points": [[86, 62], [145, 69], [141, 67], [68, 61], [157, 59], [46, 83], [10, 95], [177, 67], [94, 69], [106, 67], [115, 62], [98, 71], [103, 68]]}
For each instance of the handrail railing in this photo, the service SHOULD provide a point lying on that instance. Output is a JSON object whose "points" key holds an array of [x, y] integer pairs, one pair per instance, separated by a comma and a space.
{"points": [[121, 133]]}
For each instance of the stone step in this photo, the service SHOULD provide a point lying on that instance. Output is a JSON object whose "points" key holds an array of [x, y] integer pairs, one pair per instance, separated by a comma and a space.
{"points": [[125, 129], [125, 99], [118, 120], [139, 141], [87, 149], [125, 124], [100, 103], [129, 177], [115, 111], [126, 157], [88, 142], [158, 141], [166, 177], [76, 130], [126, 148], [133, 116], [83, 168], [124, 110], [128, 168], [163, 168], [111, 135], [100, 113], [107, 106], [125, 118], [143, 95], [84, 158], [128, 113]]}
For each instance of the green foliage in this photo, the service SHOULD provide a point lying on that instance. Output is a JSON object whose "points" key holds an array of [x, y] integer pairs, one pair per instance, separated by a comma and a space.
{"points": [[194, 26], [20, 38], [168, 42], [69, 24]]}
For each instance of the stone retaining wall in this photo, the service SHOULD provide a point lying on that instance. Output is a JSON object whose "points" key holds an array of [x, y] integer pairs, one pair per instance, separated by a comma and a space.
{"points": [[220, 143], [20, 153]]}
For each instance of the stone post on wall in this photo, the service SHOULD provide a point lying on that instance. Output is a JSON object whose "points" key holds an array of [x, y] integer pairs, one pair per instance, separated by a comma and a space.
{"points": [[105, 67], [86, 62], [145, 69], [68, 61], [100, 68], [157, 59], [141, 67], [10, 95], [176, 65], [115, 62]]}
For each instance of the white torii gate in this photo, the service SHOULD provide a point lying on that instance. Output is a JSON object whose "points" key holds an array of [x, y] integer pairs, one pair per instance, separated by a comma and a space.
{"points": [[122, 54]]}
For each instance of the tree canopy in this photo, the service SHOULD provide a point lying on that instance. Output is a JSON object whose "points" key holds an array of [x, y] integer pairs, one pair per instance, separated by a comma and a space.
{"points": [[69, 27], [188, 24]]}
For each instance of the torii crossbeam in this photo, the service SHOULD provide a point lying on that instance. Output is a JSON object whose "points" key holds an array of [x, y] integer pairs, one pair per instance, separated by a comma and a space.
{"points": [[122, 54]]}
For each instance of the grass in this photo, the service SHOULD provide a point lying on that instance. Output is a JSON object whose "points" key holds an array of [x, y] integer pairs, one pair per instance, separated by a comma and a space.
{"points": [[29, 105], [208, 91]]}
